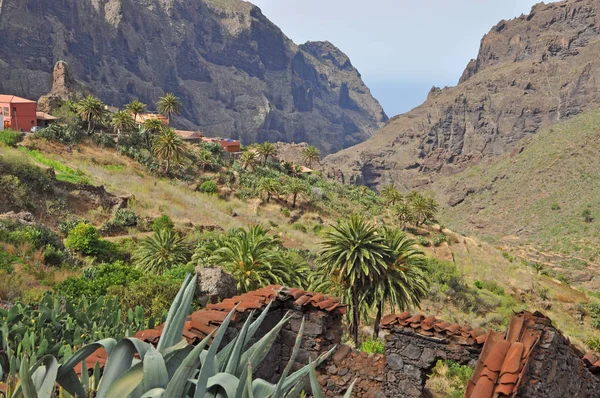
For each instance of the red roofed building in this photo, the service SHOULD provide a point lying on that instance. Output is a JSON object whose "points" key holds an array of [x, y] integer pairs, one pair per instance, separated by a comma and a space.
{"points": [[19, 113]]}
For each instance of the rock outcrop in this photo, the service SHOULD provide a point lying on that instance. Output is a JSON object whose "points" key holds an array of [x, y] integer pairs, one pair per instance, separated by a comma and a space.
{"points": [[237, 74], [531, 72], [64, 87]]}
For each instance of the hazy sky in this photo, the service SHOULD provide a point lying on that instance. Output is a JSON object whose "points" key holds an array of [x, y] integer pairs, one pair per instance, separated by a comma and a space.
{"points": [[402, 48]]}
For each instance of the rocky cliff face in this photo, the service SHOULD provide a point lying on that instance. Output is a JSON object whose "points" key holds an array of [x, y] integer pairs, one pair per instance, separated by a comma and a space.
{"points": [[237, 74], [531, 72]]}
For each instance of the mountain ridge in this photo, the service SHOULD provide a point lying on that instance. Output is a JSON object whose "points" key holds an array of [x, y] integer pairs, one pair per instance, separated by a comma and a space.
{"points": [[236, 73], [531, 72]]}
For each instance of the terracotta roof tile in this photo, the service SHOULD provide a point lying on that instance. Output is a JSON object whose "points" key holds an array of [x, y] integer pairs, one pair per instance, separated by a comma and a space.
{"points": [[201, 323], [505, 357]]}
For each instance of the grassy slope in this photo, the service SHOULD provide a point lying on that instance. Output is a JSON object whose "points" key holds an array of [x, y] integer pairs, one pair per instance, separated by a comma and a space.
{"points": [[533, 201], [476, 260]]}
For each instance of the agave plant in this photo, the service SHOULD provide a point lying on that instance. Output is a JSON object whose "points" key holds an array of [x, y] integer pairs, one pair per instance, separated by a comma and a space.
{"points": [[173, 369]]}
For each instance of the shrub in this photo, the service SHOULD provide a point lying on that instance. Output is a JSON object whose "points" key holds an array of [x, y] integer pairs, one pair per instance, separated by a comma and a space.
{"points": [[555, 207], [450, 378], [154, 293], [61, 133], [53, 256], [439, 239], [299, 227], [593, 344], [10, 138], [372, 346], [587, 215], [209, 187], [491, 286], [65, 226], [543, 292], [96, 281], [423, 241], [84, 239], [104, 140], [162, 222], [125, 218]]}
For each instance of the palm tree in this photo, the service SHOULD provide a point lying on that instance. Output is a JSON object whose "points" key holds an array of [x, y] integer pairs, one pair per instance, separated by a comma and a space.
{"points": [[311, 154], [168, 105], [296, 187], [255, 259], [354, 255], [249, 159], [168, 147], [153, 125], [269, 186], [423, 208], [122, 121], [390, 195], [205, 159], [91, 110], [403, 284], [404, 214], [265, 150], [135, 107], [161, 251]]}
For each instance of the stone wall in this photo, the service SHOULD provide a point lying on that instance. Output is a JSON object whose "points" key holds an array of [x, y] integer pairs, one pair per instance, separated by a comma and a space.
{"points": [[410, 357], [349, 366], [322, 331], [557, 371]]}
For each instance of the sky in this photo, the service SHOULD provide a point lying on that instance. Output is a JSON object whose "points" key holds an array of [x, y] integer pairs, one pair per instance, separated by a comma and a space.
{"points": [[401, 48]]}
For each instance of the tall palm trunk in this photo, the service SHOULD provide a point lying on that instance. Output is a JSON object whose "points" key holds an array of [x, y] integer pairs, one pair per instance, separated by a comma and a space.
{"points": [[294, 202], [377, 320], [266, 157], [168, 165], [355, 319]]}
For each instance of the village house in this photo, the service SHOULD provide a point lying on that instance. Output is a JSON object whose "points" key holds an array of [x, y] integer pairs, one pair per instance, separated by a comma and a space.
{"points": [[18, 113], [142, 117]]}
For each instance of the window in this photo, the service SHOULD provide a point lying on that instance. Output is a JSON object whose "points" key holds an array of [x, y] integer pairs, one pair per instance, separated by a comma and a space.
{"points": [[5, 111], [14, 110], [33, 122]]}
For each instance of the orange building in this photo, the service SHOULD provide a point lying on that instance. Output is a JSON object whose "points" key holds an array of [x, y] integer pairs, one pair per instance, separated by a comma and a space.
{"points": [[19, 113]]}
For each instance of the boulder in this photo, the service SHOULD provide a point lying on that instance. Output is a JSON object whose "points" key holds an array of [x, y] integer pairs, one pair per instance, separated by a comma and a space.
{"points": [[214, 285]]}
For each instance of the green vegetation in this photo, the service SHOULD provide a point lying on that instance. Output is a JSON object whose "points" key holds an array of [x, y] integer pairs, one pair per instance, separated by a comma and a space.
{"points": [[91, 110], [311, 155], [373, 346], [253, 257], [368, 268], [168, 105], [266, 150], [449, 378], [168, 148], [161, 251], [209, 187], [63, 173], [233, 364], [162, 222], [9, 138], [84, 238]]}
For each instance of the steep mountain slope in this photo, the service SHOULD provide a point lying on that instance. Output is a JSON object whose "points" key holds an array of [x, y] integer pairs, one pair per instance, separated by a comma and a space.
{"points": [[531, 72], [536, 200], [237, 74]]}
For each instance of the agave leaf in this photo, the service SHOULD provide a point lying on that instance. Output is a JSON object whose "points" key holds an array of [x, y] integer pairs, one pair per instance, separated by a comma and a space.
{"points": [[26, 383], [155, 370], [314, 382], [67, 378], [233, 362], [154, 393], [209, 367], [173, 329], [255, 354], [225, 382], [279, 390], [45, 372], [125, 384], [298, 375], [118, 362], [348, 393], [177, 386], [226, 351], [262, 388]]}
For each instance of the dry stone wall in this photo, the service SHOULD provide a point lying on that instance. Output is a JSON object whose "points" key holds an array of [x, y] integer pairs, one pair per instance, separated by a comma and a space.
{"points": [[410, 357]]}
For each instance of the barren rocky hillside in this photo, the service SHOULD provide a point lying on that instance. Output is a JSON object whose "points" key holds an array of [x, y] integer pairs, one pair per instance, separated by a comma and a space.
{"points": [[237, 74], [531, 72]]}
